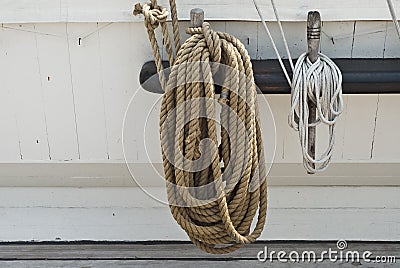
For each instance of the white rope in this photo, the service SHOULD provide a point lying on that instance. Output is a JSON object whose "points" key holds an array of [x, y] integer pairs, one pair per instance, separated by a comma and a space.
{"points": [[320, 82], [272, 41], [283, 35], [394, 17]]}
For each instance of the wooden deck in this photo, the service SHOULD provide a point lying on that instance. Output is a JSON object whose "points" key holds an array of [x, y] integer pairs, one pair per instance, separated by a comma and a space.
{"points": [[178, 254]]}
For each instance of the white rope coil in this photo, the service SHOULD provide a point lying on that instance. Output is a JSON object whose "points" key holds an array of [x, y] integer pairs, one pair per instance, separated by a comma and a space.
{"points": [[321, 83]]}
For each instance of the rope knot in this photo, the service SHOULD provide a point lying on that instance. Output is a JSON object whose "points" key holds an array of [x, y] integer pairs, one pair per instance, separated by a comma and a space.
{"points": [[153, 15]]}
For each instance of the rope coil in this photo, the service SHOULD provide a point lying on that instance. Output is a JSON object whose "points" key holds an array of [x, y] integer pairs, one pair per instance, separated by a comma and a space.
{"points": [[214, 191], [320, 82]]}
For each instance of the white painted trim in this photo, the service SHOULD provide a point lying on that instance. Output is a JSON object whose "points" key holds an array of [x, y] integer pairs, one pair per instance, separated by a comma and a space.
{"points": [[121, 214], [28, 11], [279, 197], [116, 174]]}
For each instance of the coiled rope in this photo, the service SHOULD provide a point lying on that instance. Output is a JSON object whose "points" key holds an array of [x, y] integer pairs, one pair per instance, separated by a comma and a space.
{"points": [[320, 82], [215, 204]]}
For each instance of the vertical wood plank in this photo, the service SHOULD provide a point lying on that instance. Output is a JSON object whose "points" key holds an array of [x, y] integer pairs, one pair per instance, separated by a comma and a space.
{"points": [[291, 141], [9, 135], [279, 106], [359, 127], [368, 42], [269, 131], [123, 50], [386, 146], [24, 84], [88, 90], [57, 88], [340, 132], [141, 129]]}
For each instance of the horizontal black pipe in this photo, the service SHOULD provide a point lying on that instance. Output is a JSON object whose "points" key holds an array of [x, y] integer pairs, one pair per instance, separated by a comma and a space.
{"points": [[360, 76]]}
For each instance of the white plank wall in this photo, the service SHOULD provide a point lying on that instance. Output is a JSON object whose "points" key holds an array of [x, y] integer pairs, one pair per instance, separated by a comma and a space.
{"points": [[62, 107], [9, 136], [56, 85], [22, 80], [65, 101]]}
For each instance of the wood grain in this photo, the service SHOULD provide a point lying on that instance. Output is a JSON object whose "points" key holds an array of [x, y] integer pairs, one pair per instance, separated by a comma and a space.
{"points": [[180, 252]]}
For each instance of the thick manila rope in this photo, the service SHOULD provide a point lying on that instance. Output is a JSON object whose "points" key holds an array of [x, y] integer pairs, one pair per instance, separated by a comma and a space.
{"points": [[218, 214]]}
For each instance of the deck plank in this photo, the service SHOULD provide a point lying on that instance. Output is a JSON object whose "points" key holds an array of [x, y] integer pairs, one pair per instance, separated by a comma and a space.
{"points": [[180, 254], [174, 250], [168, 263]]}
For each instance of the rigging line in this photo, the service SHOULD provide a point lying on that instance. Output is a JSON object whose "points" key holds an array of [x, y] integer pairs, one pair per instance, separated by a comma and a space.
{"points": [[283, 35], [273, 43], [394, 17]]}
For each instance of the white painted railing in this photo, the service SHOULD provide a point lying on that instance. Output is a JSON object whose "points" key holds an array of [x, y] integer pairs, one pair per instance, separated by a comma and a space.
{"points": [[22, 11]]}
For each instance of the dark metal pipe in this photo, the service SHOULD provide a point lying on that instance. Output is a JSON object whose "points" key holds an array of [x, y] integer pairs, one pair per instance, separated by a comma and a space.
{"points": [[360, 76]]}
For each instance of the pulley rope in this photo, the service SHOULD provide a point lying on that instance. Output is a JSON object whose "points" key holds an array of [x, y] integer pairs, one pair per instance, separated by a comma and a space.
{"points": [[320, 82], [218, 214]]}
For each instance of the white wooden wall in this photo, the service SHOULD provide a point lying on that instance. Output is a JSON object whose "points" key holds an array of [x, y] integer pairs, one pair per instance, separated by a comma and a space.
{"points": [[62, 107], [61, 101]]}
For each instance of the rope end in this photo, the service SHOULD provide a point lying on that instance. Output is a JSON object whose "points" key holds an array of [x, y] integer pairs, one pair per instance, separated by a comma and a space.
{"points": [[137, 10]]}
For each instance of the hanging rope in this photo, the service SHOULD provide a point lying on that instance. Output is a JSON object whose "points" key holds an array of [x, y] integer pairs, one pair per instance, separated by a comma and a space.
{"points": [[320, 82], [215, 204], [394, 16]]}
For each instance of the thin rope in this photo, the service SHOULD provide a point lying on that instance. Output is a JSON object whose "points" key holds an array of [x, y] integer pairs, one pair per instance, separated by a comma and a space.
{"points": [[273, 43], [394, 16], [320, 82], [223, 224], [282, 34]]}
